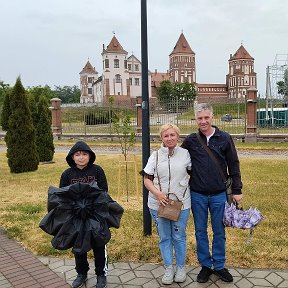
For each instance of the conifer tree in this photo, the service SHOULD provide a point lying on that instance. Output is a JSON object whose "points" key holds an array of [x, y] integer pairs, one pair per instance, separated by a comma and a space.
{"points": [[33, 108], [44, 135], [20, 137], [6, 111]]}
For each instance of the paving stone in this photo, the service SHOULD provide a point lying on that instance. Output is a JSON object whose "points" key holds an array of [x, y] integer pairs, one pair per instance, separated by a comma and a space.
{"points": [[284, 275], [143, 274], [260, 282], [258, 274], [244, 283], [127, 277], [284, 284], [121, 265], [138, 281], [274, 279]]}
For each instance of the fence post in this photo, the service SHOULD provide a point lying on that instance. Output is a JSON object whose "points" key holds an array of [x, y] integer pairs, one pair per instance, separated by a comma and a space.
{"points": [[251, 112], [56, 117]]}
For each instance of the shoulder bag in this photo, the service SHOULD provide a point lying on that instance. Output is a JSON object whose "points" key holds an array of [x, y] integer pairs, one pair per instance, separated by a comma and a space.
{"points": [[171, 210], [228, 181]]}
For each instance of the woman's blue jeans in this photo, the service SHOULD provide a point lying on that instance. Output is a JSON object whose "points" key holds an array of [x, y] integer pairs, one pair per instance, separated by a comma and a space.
{"points": [[172, 233], [215, 204]]}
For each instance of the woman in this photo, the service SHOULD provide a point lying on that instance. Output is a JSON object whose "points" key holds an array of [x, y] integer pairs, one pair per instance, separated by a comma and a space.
{"points": [[169, 165]]}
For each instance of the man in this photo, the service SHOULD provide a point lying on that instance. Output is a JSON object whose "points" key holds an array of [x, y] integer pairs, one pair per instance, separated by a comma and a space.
{"points": [[208, 190]]}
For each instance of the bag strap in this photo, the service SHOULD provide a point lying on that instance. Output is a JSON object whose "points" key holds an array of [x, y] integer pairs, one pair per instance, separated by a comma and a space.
{"points": [[214, 159], [156, 168]]}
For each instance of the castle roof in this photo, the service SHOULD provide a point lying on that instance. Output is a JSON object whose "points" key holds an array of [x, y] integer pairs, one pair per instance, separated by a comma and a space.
{"points": [[115, 46], [182, 46], [241, 53], [88, 68]]}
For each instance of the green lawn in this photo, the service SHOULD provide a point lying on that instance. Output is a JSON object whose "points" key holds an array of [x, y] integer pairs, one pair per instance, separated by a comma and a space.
{"points": [[24, 196]]}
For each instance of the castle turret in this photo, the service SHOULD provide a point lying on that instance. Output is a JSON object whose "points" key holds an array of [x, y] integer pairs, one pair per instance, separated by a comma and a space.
{"points": [[182, 62], [88, 76], [241, 74]]}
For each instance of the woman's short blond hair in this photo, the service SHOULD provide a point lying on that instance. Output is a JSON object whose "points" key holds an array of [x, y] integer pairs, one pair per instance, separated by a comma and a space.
{"points": [[167, 126]]}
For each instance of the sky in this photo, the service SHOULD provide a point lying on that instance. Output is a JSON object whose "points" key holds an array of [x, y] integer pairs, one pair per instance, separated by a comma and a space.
{"points": [[49, 42]]}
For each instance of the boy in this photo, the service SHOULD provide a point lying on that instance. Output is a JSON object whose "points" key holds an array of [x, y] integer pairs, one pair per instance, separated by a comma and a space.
{"points": [[80, 159]]}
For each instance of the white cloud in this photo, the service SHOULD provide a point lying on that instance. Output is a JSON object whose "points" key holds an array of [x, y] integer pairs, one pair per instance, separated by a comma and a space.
{"points": [[49, 42]]}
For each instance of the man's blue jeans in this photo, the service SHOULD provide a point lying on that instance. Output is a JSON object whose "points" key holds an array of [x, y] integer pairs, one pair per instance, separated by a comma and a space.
{"points": [[215, 204], [172, 232]]}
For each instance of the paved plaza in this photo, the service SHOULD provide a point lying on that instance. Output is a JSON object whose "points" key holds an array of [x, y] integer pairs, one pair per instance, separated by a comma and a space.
{"points": [[20, 269]]}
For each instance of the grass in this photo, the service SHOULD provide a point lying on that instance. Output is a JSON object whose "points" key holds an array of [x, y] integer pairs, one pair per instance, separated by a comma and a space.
{"points": [[24, 199]]}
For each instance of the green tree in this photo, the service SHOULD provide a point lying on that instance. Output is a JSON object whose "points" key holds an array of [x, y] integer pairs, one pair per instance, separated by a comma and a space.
{"points": [[126, 135], [33, 108], [165, 92], [44, 135], [176, 95], [20, 137], [283, 86], [68, 94], [45, 91], [6, 111], [3, 88]]}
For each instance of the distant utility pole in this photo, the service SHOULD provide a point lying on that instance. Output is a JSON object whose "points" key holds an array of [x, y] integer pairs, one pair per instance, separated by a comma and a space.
{"points": [[145, 114]]}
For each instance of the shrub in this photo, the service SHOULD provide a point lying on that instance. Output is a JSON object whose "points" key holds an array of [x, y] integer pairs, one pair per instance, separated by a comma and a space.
{"points": [[20, 137]]}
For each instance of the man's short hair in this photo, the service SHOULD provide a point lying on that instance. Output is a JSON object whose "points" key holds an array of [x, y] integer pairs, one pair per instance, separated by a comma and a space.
{"points": [[203, 106]]}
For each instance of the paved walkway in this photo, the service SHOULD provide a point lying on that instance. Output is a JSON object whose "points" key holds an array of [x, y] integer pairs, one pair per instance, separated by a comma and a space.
{"points": [[20, 269]]}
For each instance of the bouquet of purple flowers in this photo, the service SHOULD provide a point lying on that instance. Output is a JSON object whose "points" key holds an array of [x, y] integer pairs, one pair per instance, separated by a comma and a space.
{"points": [[243, 219]]}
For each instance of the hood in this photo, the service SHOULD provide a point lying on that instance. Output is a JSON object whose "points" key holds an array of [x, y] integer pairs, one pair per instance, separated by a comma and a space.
{"points": [[80, 146]]}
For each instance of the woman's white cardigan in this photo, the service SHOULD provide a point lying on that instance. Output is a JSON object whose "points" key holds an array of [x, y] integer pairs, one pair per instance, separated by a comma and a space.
{"points": [[177, 182]]}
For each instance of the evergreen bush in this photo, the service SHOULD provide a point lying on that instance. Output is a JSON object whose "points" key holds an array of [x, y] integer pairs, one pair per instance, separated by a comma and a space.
{"points": [[44, 135], [20, 137], [5, 110]]}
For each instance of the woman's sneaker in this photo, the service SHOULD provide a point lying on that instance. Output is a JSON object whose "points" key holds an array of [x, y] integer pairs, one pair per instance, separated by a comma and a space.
{"points": [[180, 275], [168, 276]]}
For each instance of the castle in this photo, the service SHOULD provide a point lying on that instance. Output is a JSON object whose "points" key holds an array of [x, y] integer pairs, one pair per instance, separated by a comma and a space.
{"points": [[121, 76]]}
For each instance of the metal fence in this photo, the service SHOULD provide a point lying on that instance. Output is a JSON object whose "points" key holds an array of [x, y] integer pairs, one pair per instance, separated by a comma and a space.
{"points": [[230, 117]]}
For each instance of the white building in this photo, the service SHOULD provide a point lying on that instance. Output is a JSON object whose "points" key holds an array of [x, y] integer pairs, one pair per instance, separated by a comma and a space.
{"points": [[120, 78]]}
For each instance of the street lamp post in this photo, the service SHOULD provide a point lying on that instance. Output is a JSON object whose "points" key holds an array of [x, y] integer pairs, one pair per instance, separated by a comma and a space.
{"points": [[145, 114]]}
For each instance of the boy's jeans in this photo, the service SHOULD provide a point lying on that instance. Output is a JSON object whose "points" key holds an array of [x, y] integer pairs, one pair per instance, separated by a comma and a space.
{"points": [[200, 206], [170, 233]]}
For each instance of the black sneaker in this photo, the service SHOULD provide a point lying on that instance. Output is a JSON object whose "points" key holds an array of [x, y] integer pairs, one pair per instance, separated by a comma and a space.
{"points": [[224, 275], [101, 281], [204, 274], [79, 281]]}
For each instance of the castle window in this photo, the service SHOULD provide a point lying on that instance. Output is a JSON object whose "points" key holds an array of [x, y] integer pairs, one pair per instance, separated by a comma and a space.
{"points": [[130, 81], [116, 63], [137, 81], [106, 63], [90, 79], [129, 67], [136, 67], [90, 91], [125, 64], [118, 78]]}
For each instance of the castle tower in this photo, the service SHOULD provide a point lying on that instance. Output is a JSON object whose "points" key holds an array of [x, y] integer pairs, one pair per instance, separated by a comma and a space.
{"points": [[88, 76], [241, 74], [115, 71], [182, 62]]}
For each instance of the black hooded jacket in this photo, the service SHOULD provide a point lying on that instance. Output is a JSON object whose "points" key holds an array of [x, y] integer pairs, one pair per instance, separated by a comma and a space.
{"points": [[88, 174]]}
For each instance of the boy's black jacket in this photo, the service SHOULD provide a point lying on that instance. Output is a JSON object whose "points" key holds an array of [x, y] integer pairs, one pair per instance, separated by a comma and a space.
{"points": [[92, 172]]}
